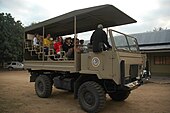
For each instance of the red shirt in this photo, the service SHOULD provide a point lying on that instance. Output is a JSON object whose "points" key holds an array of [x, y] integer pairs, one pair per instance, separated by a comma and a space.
{"points": [[57, 46]]}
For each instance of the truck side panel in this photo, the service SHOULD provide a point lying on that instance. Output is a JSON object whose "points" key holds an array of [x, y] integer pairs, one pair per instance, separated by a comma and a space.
{"points": [[51, 65]]}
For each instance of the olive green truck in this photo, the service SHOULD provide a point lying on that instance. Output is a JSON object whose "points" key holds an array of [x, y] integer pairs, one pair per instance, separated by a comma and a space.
{"points": [[90, 76]]}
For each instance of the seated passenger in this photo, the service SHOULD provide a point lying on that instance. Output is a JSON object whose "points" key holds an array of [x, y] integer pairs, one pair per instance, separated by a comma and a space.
{"points": [[47, 44], [78, 46], [81, 42], [82, 47], [58, 45], [68, 48], [35, 41]]}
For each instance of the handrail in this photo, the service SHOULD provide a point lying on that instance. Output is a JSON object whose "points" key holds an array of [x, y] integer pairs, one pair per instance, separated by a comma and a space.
{"points": [[122, 33], [125, 35]]}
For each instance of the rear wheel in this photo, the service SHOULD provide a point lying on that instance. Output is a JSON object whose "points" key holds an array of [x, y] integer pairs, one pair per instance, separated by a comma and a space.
{"points": [[43, 86], [91, 97], [120, 95]]}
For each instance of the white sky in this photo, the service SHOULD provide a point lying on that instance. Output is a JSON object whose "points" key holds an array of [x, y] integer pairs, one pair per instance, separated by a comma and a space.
{"points": [[148, 13]]}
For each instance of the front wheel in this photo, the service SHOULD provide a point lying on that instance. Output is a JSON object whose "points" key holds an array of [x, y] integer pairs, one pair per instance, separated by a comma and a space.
{"points": [[91, 96], [43, 86], [120, 95]]}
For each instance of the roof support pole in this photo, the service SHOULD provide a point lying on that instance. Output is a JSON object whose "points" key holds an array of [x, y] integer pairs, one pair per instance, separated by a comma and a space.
{"points": [[107, 32], [24, 43], [75, 37], [43, 42]]}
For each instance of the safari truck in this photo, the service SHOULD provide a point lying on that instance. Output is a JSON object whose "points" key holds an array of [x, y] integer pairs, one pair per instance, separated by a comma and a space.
{"points": [[89, 75]]}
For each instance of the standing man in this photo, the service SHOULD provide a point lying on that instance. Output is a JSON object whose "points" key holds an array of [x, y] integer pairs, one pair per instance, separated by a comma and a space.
{"points": [[99, 39]]}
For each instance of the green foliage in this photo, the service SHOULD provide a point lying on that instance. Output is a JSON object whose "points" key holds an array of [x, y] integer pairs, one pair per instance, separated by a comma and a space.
{"points": [[159, 29], [11, 38]]}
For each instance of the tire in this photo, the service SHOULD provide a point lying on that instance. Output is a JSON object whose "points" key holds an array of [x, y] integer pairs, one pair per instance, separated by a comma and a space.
{"points": [[43, 86], [119, 95], [91, 96], [10, 68]]}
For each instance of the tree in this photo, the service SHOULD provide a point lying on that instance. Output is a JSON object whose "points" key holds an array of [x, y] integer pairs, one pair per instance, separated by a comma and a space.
{"points": [[11, 38], [159, 29]]}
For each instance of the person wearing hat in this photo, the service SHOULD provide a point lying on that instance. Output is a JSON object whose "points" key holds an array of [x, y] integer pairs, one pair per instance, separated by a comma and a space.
{"points": [[99, 39]]}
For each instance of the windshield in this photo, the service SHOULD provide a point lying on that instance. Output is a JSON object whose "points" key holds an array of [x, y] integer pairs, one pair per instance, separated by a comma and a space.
{"points": [[124, 42]]}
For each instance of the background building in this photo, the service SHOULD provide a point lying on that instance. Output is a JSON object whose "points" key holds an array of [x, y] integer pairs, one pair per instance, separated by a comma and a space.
{"points": [[157, 47]]}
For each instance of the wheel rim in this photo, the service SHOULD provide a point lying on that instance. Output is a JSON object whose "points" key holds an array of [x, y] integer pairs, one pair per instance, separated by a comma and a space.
{"points": [[89, 98], [40, 86]]}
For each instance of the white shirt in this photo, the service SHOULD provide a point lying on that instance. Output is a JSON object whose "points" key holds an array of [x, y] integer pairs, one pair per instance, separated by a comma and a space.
{"points": [[35, 41]]}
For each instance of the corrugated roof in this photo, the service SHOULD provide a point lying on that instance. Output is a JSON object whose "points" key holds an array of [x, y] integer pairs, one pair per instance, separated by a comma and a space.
{"points": [[155, 47], [151, 41], [149, 38]]}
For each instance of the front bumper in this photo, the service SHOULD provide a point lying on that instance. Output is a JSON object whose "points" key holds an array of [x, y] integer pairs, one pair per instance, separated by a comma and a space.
{"points": [[135, 84]]}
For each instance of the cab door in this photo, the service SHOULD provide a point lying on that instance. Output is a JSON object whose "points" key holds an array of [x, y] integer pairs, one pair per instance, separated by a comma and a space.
{"points": [[102, 63]]}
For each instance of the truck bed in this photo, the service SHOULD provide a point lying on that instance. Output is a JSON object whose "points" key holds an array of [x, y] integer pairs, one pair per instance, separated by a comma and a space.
{"points": [[51, 65]]}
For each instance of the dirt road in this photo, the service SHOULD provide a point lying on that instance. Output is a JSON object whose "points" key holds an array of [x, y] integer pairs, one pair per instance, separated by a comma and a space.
{"points": [[17, 95]]}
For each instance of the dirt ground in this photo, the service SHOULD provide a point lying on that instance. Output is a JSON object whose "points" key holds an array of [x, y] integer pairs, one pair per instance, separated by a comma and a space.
{"points": [[17, 95]]}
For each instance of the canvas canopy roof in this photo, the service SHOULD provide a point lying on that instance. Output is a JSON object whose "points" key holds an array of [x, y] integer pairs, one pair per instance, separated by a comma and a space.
{"points": [[86, 19]]}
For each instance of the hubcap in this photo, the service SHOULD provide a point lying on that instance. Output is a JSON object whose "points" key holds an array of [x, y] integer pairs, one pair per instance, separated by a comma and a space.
{"points": [[40, 86], [89, 98]]}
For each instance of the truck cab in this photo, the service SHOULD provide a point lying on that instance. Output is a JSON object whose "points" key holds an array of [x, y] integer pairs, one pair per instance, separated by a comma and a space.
{"points": [[89, 75]]}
